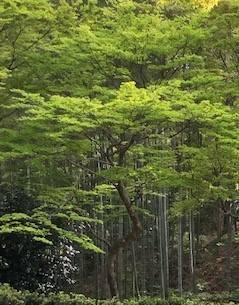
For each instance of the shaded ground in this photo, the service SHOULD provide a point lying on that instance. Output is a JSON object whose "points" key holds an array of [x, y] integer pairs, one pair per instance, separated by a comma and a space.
{"points": [[218, 266]]}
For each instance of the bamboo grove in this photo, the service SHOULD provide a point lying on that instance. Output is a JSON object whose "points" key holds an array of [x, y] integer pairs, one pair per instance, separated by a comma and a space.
{"points": [[118, 145]]}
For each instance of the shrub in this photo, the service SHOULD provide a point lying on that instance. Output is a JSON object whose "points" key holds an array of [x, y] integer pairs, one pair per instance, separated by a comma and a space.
{"points": [[235, 296], [68, 299], [10, 296]]}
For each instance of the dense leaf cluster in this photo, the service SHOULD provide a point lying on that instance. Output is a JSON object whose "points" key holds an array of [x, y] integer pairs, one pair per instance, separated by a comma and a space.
{"points": [[103, 103]]}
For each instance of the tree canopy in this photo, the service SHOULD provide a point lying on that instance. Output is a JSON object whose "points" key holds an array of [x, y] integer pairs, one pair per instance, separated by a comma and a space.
{"points": [[107, 106]]}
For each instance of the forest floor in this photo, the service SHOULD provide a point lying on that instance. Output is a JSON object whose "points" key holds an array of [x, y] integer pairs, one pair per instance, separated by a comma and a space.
{"points": [[218, 266]]}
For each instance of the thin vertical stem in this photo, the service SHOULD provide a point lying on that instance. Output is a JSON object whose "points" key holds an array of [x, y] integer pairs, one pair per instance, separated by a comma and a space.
{"points": [[180, 255], [192, 250]]}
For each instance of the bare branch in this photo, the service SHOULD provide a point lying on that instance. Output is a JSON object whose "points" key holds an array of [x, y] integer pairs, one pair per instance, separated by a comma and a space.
{"points": [[37, 40], [7, 115], [99, 237], [178, 132], [13, 58]]}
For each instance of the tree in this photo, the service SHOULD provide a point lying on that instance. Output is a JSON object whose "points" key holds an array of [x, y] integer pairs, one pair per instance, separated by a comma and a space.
{"points": [[105, 104], [117, 129]]}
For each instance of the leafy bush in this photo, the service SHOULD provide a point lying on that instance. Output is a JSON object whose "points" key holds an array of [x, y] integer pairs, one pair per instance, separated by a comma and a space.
{"points": [[220, 298], [68, 299], [10, 296], [235, 296]]}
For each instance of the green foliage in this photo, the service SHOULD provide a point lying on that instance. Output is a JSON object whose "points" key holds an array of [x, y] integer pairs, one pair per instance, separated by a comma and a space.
{"points": [[94, 93], [138, 89], [49, 220], [9, 296]]}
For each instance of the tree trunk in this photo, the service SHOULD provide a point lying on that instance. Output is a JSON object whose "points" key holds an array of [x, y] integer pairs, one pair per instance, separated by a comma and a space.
{"points": [[192, 250], [166, 228], [230, 229], [123, 242], [220, 220], [135, 274], [180, 255], [111, 273], [163, 246], [120, 258]]}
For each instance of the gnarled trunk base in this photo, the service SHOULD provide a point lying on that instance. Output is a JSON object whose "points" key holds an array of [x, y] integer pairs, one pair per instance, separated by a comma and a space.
{"points": [[111, 275]]}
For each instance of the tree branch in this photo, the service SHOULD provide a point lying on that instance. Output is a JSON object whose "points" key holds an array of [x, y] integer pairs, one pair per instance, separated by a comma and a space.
{"points": [[13, 59], [7, 115], [98, 237]]}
